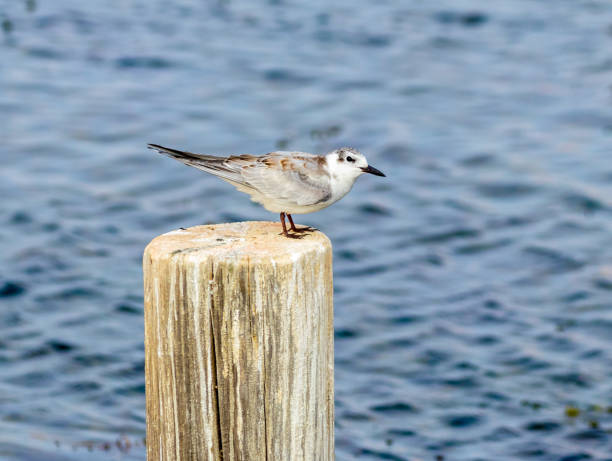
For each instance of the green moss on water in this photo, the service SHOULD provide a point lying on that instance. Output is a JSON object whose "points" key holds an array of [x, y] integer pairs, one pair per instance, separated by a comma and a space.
{"points": [[534, 405], [7, 26], [572, 412]]}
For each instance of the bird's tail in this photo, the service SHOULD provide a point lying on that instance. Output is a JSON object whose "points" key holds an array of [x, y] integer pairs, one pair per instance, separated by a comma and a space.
{"points": [[184, 156], [209, 163]]}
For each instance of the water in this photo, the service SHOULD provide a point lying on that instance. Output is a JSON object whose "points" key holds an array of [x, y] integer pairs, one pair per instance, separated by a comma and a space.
{"points": [[473, 284]]}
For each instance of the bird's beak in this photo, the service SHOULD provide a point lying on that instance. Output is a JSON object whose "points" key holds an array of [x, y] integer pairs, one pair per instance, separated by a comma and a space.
{"points": [[372, 170]]}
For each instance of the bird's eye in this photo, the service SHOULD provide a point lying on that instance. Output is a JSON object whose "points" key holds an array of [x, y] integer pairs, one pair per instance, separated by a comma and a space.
{"points": [[350, 159]]}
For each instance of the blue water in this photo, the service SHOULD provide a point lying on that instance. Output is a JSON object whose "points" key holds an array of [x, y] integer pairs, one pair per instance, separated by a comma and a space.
{"points": [[473, 284]]}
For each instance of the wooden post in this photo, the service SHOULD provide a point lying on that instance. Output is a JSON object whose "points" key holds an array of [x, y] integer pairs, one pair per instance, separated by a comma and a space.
{"points": [[239, 345]]}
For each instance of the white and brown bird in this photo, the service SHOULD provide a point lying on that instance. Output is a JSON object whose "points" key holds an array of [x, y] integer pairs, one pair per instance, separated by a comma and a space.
{"points": [[284, 182]]}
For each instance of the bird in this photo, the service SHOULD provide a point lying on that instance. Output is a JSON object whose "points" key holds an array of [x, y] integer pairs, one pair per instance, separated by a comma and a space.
{"points": [[284, 182]]}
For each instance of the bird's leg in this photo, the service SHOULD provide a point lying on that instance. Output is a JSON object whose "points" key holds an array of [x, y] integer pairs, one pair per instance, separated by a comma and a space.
{"points": [[282, 220], [295, 229], [285, 233]]}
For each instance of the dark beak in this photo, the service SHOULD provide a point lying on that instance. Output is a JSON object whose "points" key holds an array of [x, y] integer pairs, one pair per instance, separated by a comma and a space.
{"points": [[372, 170]]}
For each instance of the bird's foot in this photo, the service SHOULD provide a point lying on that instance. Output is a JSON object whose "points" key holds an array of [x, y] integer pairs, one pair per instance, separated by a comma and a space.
{"points": [[303, 229], [292, 236]]}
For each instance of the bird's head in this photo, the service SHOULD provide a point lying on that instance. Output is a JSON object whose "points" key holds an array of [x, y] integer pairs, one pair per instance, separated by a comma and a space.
{"points": [[349, 163]]}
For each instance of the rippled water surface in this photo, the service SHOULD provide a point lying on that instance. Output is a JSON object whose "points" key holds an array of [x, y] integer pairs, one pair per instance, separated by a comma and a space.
{"points": [[473, 284]]}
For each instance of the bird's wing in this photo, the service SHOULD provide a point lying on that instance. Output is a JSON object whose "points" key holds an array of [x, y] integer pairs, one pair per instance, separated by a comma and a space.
{"points": [[294, 177]]}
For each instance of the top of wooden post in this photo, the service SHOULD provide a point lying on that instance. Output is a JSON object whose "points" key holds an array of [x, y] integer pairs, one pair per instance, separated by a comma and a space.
{"points": [[252, 239]]}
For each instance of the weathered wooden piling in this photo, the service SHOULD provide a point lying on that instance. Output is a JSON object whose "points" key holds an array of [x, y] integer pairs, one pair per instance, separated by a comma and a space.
{"points": [[239, 345]]}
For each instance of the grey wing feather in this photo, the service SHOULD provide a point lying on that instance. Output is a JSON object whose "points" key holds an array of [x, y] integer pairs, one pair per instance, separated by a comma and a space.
{"points": [[209, 163], [294, 177]]}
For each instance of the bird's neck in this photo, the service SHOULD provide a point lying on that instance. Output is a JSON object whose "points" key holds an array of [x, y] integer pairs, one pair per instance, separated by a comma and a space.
{"points": [[341, 185]]}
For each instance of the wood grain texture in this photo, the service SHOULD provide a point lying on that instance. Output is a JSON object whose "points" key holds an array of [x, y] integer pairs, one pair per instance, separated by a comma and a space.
{"points": [[239, 345]]}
